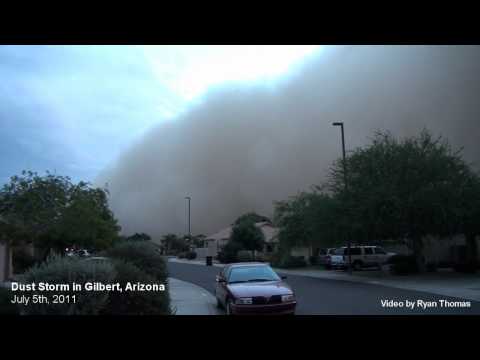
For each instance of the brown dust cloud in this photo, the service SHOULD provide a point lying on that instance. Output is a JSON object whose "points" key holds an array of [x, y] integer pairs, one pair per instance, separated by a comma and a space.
{"points": [[244, 146]]}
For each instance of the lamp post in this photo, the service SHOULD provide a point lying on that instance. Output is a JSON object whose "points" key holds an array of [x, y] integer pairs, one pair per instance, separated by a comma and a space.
{"points": [[189, 229], [346, 189]]}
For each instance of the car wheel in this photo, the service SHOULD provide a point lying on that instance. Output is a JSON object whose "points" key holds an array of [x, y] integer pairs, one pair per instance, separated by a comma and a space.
{"points": [[229, 307]]}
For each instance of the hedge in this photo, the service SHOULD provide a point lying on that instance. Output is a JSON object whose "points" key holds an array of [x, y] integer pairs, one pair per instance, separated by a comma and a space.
{"points": [[142, 254], [22, 260], [288, 262], [62, 270], [403, 264], [136, 302], [244, 256]]}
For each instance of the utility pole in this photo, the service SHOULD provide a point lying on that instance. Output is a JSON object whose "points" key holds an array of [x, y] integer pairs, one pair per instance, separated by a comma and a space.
{"points": [[189, 228], [346, 190]]}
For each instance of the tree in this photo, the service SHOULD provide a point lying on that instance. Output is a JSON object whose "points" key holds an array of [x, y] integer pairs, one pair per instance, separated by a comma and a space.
{"points": [[246, 234], [291, 217], [198, 240], [468, 215], [252, 217], [139, 237], [172, 242], [53, 213], [310, 218], [402, 189]]}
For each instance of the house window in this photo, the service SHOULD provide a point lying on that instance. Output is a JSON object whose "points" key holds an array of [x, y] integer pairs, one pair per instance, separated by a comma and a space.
{"points": [[269, 248]]}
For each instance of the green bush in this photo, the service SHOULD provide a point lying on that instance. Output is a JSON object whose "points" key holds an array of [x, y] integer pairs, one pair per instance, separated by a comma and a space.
{"points": [[465, 268], [286, 261], [62, 270], [182, 255], [444, 265], [229, 253], [6, 307], [244, 256], [136, 302], [403, 264], [190, 255], [313, 260], [21, 260], [143, 255], [294, 262], [261, 257]]}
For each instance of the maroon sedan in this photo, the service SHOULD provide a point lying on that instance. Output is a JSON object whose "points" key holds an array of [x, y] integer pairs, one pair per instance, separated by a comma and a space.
{"points": [[253, 288]]}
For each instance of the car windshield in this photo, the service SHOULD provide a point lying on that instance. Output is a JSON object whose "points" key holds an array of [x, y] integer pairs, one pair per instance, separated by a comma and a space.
{"points": [[252, 274]]}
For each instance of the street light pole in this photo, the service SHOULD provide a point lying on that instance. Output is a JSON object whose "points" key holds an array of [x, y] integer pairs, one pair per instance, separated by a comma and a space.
{"points": [[346, 189], [189, 229]]}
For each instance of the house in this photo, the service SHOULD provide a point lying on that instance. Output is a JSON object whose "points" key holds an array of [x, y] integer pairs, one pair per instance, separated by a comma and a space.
{"points": [[215, 242]]}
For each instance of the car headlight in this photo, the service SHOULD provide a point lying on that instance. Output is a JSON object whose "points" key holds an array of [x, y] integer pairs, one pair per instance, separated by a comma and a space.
{"points": [[289, 297], [244, 301]]}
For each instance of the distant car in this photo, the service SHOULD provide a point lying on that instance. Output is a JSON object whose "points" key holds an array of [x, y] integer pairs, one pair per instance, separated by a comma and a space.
{"points": [[362, 256], [325, 257], [253, 288]]}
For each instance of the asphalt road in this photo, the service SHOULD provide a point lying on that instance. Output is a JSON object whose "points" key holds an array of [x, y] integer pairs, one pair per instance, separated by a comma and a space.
{"points": [[333, 297]]}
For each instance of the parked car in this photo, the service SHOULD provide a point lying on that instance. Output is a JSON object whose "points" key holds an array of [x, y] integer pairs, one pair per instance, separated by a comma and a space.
{"points": [[325, 257], [253, 288], [362, 256]]}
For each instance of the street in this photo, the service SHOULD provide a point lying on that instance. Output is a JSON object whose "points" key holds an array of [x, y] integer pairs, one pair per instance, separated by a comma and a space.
{"points": [[333, 297]]}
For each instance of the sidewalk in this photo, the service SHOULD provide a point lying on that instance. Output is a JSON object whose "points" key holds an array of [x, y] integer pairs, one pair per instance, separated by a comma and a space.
{"points": [[190, 299], [466, 286]]}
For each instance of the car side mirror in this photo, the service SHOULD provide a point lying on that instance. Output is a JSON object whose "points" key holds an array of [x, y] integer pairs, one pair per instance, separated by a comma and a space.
{"points": [[283, 277]]}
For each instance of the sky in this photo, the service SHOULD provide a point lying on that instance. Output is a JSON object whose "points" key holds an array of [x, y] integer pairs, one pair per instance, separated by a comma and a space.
{"points": [[74, 109], [236, 128]]}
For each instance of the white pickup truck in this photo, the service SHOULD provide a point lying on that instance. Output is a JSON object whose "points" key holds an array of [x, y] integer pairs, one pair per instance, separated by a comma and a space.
{"points": [[362, 256]]}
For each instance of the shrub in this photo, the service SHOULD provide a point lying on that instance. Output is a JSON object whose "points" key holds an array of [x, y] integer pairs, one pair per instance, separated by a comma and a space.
{"points": [[294, 262], [287, 261], [261, 257], [190, 255], [313, 260], [244, 256], [444, 265], [229, 253], [468, 268], [182, 255], [22, 260], [6, 307], [62, 270], [403, 264], [136, 302], [432, 267], [143, 255]]}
